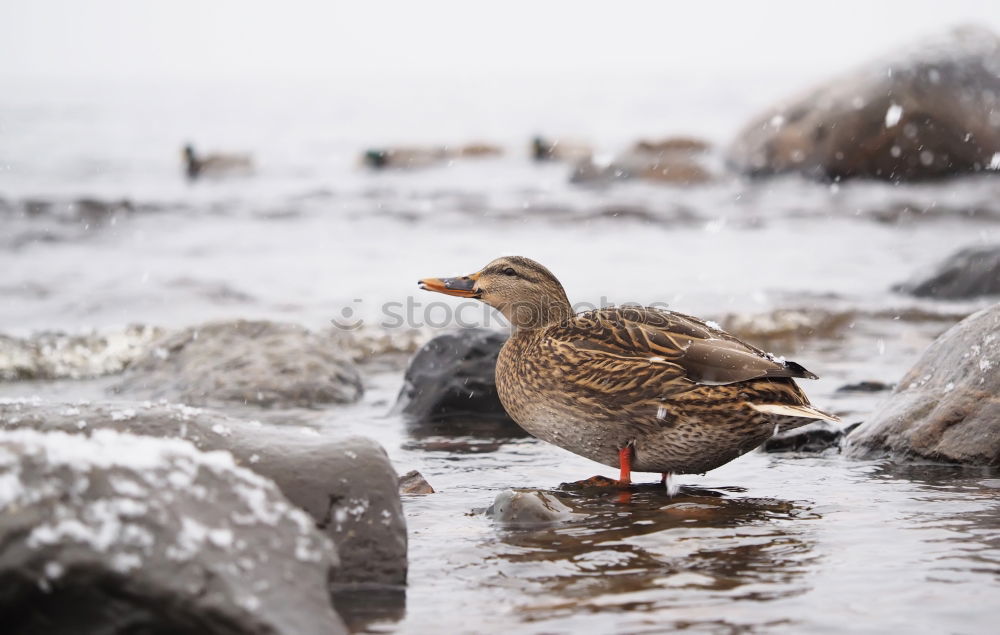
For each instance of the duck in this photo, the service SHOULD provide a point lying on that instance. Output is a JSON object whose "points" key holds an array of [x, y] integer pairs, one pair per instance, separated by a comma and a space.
{"points": [[636, 388], [215, 164]]}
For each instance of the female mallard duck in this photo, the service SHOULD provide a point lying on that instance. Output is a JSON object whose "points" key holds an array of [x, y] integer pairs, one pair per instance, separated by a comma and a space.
{"points": [[636, 388]]}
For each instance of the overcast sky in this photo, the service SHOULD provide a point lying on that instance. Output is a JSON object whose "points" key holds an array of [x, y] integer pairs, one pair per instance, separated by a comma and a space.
{"points": [[238, 38]]}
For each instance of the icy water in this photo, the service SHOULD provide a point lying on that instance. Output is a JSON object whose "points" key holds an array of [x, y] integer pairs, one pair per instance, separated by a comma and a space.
{"points": [[100, 231]]}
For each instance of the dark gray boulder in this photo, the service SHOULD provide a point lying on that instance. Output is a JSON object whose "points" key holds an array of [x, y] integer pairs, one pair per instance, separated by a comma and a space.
{"points": [[259, 363], [813, 438], [967, 273], [453, 374], [348, 486], [514, 509], [118, 533], [929, 111], [946, 407]]}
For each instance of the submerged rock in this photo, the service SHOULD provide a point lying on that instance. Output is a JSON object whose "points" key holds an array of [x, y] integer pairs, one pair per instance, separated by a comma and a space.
{"points": [[528, 509], [121, 533], [61, 356], [967, 273], [347, 486], [259, 363], [454, 374], [413, 482], [929, 111], [946, 407]]}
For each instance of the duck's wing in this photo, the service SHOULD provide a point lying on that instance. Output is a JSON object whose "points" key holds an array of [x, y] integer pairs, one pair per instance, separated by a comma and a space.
{"points": [[630, 348]]}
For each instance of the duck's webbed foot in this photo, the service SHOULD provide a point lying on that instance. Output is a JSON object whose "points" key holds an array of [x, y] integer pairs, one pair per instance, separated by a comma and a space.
{"points": [[597, 481]]}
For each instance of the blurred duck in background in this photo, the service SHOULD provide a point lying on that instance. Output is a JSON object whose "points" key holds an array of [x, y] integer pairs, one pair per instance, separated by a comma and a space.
{"points": [[419, 157], [543, 149], [215, 164]]}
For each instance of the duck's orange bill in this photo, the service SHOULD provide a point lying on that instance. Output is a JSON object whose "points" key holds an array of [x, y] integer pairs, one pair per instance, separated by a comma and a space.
{"points": [[462, 287]]}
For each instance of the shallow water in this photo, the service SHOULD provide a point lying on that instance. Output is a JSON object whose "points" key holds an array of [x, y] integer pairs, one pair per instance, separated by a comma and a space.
{"points": [[769, 542]]}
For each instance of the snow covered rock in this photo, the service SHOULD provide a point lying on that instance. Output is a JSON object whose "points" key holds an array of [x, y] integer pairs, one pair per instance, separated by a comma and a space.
{"points": [[259, 363], [123, 533], [967, 273], [348, 486], [929, 111], [60, 355], [946, 407]]}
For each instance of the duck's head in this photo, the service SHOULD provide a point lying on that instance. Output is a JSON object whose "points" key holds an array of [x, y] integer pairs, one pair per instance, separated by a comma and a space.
{"points": [[527, 293]]}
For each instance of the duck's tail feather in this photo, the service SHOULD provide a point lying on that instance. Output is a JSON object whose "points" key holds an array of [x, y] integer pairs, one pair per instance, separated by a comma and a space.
{"points": [[788, 410]]}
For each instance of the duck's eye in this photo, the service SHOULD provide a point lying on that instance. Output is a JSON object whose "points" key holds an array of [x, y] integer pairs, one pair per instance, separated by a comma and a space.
{"points": [[509, 272]]}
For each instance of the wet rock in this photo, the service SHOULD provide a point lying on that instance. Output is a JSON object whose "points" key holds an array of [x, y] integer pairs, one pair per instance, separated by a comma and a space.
{"points": [[929, 111], [347, 486], [865, 386], [812, 438], [454, 374], [528, 509], [784, 328], [60, 355], [946, 407], [248, 362], [413, 482], [121, 533], [390, 348], [968, 273]]}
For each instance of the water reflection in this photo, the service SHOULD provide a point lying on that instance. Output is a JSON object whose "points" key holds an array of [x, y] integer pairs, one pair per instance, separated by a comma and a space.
{"points": [[461, 434], [700, 547]]}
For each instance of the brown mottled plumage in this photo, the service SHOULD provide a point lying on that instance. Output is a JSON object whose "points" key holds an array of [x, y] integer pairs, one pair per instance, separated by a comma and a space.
{"points": [[630, 387]]}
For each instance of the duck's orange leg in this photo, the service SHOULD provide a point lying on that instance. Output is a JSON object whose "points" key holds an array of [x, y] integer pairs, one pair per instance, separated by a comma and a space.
{"points": [[625, 463]]}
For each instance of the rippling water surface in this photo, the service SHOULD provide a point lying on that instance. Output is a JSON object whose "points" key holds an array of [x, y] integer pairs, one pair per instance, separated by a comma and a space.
{"points": [[100, 231]]}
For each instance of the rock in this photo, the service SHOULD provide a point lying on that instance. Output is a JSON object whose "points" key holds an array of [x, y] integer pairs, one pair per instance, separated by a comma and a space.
{"points": [[120, 533], [259, 363], [784, 328], [454, 374], [967, 273], [528, 509], [413, 482], [590, 172], [816, 437], [930, 111], [865, 386], [60, 355], [945, 408], [348, 486]]}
